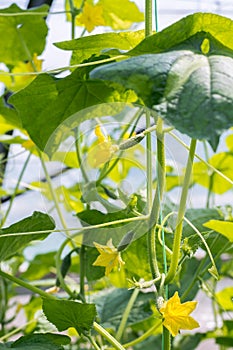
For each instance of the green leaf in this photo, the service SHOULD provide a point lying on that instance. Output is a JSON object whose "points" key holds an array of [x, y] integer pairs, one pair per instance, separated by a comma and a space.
{"points": [[225, 298], [208, 178], [25, 34], [9, 118], [111, 304], [198, 216], [41, 341], [225, 341], [184, 29], [102, 235], [120, 14], [191, 90], [11, 244], [188, 341], [65, 313], [40, 266], [48, 102], [98, 44], [223, 227]]}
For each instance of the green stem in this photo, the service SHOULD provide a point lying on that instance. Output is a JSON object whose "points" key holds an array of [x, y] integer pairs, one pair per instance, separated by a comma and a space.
{"points": [[62, 69], [58, 268], [98, 328], [126, 314], [143, 337], [166, 339], [180, 216], [104, 172], [204, 242], [156, 17], [148, 17], [93, 342], [82, 257], [211, 178], [16, 330], [26, 285], [201, 159], [53, 194], [155, 211], [16, 188], [87, 228], [73, 15], [77, 144], [149, 163]]}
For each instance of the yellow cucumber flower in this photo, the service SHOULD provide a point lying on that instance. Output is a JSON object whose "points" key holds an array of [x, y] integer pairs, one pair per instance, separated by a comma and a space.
{"points": [[176, 315], [109, 257], [102, 152], [91, 16]]}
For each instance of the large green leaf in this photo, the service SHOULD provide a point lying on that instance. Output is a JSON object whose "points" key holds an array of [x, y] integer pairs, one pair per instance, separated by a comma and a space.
{"points": [[111, 304], [87, 46], [26, 34], [191, 90], [40, 341], [65, 313], [47, 102], [184, 29], [11, 244]]}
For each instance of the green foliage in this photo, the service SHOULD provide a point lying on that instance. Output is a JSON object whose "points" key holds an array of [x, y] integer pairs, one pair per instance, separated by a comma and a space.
{"points": [[38, 342], [66, 313], [111, 304], [53, 100], [182, 86], [130, 227], [40, 266], [186, 28], [11, 244], [26, 34], [98, 44], [225, 228]]}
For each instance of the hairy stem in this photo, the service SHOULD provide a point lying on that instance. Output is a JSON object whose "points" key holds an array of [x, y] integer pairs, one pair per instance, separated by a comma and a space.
{"points": [[126, 314], [179, 222], [155, 211]]}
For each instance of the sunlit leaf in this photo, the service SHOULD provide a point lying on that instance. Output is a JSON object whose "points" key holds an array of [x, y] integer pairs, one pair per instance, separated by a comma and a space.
{"points": [[184, 29], [22, 31], [49, 102], [223, 227], [225, 298], [98, 44], [11, 244], [206, 177], [120, 14]]}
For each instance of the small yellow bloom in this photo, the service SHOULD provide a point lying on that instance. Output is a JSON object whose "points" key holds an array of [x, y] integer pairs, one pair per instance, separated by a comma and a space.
{"points": [[92, 16], [104, 151], [109, 257], [176, 315]]}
